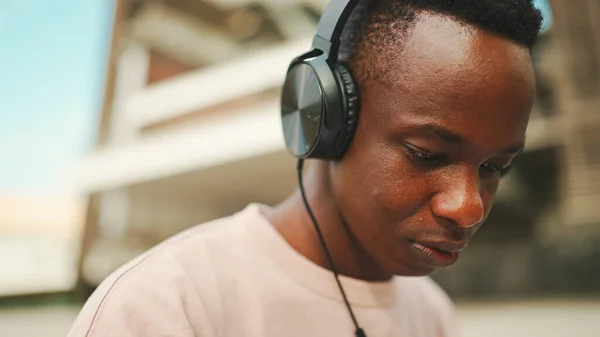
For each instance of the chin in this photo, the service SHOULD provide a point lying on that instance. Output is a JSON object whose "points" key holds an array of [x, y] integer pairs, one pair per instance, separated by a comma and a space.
{"points": [[402, 270]]}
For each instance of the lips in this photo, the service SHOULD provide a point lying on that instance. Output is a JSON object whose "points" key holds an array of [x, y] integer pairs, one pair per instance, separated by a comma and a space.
{"points": [[447, 246], [440, 254]]}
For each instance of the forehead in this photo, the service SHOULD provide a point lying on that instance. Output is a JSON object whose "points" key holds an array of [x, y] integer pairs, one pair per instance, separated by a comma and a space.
{"points": [[440, 47], [456, 75]]}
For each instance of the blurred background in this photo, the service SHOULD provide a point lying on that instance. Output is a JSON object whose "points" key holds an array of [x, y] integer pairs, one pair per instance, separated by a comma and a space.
{"points": [[123, 122]]}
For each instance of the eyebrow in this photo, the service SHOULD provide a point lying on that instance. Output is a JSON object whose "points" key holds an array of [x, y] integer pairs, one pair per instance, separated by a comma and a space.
{"points": [[456, 139]]}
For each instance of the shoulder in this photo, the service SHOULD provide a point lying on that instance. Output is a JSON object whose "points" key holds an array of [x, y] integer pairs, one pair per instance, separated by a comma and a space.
{"points": [[160, 289], [432, 301], [134, 299]]}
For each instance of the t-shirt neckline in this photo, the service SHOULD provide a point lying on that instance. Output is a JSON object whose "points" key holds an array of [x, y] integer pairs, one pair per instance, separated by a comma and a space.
{"points": [[310, 275]]}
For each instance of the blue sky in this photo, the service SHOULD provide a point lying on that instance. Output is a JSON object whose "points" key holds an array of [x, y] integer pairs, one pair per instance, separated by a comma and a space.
{"points": [[544, 7], [52, 65]]}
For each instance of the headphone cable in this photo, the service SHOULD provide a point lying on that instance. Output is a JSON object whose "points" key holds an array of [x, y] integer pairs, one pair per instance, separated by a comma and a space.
{"points": [[359, 332]]}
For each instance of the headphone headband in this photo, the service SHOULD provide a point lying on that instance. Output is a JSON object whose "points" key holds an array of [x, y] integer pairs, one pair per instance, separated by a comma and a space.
{"points": [[330, 27]]}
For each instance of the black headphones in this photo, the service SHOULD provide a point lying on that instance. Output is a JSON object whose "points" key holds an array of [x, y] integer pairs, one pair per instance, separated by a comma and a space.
{"points": [[319, 109], [319, 101]]}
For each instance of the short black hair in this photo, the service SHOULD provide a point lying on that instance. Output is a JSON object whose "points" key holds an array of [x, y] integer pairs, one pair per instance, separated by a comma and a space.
{"points": [[375, 24]]}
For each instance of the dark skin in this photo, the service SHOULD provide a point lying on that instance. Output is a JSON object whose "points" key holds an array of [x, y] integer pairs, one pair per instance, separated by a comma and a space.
{"points": [[436, 132]]}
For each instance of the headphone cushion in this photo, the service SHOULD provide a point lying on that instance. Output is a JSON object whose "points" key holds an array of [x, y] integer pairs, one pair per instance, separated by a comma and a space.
{"points": [[351, 109]]}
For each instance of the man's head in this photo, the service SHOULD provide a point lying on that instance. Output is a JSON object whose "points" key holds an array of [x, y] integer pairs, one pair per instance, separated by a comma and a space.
{"points": [[446, 90]]}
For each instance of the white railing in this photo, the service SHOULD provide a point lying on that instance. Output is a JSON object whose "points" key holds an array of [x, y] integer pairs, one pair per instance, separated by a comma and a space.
{"points": [[245, 133], [212, 86]]}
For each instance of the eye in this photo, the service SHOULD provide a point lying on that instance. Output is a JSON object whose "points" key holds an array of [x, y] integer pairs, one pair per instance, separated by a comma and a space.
{"points": [[423, 156], [492, 168]]}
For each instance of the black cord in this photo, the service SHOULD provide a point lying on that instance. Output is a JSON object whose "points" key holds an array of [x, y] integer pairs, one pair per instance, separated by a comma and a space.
{"points": [[359, 331]]}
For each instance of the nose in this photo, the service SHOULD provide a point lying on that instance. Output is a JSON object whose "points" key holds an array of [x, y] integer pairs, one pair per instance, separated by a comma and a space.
{"points": [[461, 202]]}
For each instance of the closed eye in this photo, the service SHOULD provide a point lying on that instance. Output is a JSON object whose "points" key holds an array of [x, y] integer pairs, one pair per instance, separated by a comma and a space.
{"points": [[491, 168], [424, 156]]}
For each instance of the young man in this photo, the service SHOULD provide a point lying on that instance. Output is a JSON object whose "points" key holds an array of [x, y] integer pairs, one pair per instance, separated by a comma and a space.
{"points": [[446, 89]]}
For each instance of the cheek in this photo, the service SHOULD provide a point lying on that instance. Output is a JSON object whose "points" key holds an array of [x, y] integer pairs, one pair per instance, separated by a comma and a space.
{"points": [[383, 189], [398, 191], [488, 194]]}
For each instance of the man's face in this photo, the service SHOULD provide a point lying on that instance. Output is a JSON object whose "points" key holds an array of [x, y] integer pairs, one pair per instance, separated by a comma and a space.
{"points": [[435, 134]]}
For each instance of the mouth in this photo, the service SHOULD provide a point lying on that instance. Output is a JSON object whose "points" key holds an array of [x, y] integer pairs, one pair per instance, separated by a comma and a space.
{"points": [[438, 254]]}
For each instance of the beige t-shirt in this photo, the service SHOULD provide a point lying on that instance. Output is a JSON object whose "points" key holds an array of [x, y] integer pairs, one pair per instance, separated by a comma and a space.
{"points": [[237, 277]]}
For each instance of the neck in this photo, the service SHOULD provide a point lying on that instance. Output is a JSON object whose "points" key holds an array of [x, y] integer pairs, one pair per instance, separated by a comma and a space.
{"points": [[292, 221]]}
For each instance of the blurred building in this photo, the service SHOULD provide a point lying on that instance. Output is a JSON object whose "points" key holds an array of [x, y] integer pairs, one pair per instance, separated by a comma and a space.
{"points": [[190, 131], [39, 241]]}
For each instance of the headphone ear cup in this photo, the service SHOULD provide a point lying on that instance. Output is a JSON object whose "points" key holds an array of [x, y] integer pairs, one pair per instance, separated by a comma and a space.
{"points": [[351, 106]]}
